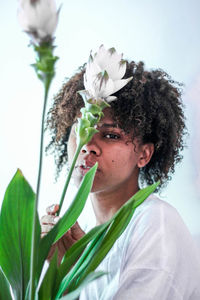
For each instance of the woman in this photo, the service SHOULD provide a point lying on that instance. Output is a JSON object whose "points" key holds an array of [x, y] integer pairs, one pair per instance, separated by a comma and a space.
{"points": [[138, 142]]}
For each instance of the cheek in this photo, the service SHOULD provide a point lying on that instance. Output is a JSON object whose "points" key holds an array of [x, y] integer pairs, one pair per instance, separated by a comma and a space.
{"points": [[124, 161], [71, 147]]}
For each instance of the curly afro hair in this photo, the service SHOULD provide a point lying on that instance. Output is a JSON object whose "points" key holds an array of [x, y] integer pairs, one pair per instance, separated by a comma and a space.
{"points": [[149, 105]]}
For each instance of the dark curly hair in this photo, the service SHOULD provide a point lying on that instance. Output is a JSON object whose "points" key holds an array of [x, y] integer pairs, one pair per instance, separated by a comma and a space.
{"points": [[150, 104]]}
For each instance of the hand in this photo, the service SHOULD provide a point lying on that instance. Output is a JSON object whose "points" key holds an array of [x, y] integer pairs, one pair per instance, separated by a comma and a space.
{"points": [[67, 240]]}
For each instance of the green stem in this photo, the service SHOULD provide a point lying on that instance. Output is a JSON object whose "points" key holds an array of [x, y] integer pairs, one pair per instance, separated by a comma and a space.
{"points": [[78, 149], [33, 245]]}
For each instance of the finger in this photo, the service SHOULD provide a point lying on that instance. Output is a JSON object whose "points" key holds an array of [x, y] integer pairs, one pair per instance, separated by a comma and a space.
{"points": [[43, 234], [49, 219], [46, 228], [51, 210]]}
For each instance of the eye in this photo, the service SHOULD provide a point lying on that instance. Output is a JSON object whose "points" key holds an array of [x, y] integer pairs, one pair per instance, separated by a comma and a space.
{"points": [[112, 136]]}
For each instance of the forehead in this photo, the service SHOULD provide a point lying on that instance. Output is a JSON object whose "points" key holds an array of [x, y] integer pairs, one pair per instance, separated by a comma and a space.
{"points": [[107, 119]]}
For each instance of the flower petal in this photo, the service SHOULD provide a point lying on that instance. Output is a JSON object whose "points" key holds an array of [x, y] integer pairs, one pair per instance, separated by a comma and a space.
{"points": [[91, 72], [101, 57], [103, 88], [92, 69], [110, 98], [110, 61], [116, 70], [47, 17], [119, 84]]}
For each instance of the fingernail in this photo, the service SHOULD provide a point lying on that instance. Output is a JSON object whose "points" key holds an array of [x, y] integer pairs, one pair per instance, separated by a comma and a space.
{"points": [[51, 208], [56, 219]]}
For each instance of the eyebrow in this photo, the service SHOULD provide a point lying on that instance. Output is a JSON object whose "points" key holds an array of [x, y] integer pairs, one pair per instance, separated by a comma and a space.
{"points": [[114, 125], [104, 125]]}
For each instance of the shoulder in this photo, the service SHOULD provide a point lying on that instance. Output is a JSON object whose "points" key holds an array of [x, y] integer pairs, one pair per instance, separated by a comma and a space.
{"points": [[157, 214], [154, 204], [160, 247], [159, 240], [156, 221]]}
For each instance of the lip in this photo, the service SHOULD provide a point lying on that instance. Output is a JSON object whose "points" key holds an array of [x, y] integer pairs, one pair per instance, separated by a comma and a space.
{"points": [[84, 166]]}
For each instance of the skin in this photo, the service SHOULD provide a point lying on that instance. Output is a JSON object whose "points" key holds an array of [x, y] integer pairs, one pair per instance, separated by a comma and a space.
{"points": [[116, 180]]}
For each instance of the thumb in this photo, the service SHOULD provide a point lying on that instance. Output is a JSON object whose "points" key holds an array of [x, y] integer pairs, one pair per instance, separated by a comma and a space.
{"points": [[52, 210]]}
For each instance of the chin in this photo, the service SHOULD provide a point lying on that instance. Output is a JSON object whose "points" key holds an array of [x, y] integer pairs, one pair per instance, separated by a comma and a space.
{"points": [[96, 187]]}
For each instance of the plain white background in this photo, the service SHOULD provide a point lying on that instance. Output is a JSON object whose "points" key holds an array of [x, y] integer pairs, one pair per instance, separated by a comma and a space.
{"points": [[163, 34]]}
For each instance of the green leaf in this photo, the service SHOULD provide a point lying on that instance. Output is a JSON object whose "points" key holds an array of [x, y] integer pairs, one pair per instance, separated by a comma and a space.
{"points": [[72, 255], [16, 221], [77, 249], [45, 244], [47, 287], [75, 294], [119, 223], [4, 287], [71, 277], [68, 219], [77, 204], [101, 247]]}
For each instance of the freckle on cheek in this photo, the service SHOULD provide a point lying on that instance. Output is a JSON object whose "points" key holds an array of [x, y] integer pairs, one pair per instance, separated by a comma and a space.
{"points": [[113, 161]]}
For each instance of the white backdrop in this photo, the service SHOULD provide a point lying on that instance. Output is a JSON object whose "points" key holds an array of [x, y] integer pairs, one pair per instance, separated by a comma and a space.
{"points": [[162, 33]]}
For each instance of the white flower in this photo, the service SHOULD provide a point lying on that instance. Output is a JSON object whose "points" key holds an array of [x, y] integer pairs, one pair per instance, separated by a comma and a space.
{"points": [[103, 76], [38, 18]]}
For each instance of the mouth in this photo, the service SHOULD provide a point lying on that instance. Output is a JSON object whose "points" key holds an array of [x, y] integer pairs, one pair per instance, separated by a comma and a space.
{"points": [[84, 167]]}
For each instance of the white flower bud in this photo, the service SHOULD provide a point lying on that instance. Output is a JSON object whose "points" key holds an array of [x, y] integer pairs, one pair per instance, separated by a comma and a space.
{"points": [[38, 18], [104, 72]]}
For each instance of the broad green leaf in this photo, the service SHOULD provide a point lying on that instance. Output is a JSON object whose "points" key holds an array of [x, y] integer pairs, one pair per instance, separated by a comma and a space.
{"points": [[5, 293], [47, 287], [75, 294], [68, 219], [77, 204], [45, 244], [16, 221]]}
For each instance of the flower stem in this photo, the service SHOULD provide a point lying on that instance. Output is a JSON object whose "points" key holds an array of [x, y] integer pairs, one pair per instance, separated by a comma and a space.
{"points": [[33, 244], [78, 149]]}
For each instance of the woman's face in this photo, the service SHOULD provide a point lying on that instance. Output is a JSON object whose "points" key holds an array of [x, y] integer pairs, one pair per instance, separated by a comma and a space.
{"points": [[117, 156]]}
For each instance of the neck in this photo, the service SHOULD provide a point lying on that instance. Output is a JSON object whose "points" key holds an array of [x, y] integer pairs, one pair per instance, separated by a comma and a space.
{"points": [[107, 203]]}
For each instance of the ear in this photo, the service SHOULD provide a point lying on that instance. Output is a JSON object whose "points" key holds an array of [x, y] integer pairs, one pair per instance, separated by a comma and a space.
{"points": [[146, 152]]}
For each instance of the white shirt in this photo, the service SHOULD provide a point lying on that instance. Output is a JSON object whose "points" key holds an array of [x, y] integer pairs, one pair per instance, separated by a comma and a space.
{"points": [[154, 259]]}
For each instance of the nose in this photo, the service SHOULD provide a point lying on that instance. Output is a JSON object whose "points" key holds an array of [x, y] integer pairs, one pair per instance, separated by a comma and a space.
{"points": [[91, 148]]}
